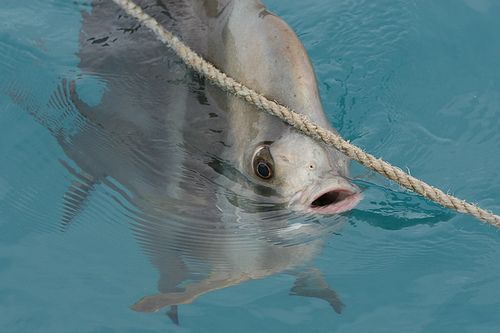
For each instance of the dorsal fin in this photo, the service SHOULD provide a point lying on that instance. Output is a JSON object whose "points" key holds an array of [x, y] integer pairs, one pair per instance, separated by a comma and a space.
{"points": [[77, 195]]}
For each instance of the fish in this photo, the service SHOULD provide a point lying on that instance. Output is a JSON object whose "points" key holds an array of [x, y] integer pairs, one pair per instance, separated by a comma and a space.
{"points": [[221, 192]]}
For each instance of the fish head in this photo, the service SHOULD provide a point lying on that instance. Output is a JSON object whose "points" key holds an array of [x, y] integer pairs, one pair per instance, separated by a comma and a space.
{"points": [[309, 176], [261, 51]]}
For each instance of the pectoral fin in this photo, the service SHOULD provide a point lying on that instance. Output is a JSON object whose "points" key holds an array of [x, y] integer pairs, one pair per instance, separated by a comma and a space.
{"points": [[155, 303], [312, 284]]}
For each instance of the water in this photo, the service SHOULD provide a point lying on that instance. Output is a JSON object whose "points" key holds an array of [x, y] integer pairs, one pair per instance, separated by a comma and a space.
{"points": [[416, 83]]}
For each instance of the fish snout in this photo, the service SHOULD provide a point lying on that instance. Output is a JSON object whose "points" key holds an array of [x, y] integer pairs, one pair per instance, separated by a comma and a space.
{"points": [[337, 197]]}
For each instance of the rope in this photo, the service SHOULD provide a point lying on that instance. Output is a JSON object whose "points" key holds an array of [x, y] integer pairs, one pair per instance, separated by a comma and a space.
{"points": [[302, 122]]}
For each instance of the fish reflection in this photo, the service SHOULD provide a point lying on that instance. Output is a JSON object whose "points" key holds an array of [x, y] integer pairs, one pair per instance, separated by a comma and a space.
{"points": [[224, 193]]}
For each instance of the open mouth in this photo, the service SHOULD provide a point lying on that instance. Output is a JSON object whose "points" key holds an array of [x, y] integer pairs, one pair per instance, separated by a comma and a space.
{"points": [[335, 201]]}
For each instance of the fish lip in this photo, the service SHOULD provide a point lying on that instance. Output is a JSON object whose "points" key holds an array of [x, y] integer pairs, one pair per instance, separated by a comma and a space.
{"points": [[351, 197]]}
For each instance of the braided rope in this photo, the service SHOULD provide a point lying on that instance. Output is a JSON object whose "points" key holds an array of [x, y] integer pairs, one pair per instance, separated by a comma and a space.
{"points": [[302, 122]]}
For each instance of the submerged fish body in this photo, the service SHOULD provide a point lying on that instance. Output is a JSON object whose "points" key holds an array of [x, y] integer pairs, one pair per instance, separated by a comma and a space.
{"points": [[220, 187]]}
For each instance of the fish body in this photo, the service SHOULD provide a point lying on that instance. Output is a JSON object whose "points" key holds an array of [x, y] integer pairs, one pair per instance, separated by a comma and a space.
{"points": [[220, 187]]}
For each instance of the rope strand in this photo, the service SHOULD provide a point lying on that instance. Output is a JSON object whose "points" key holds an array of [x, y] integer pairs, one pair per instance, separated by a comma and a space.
{"points": [[302, 122]]}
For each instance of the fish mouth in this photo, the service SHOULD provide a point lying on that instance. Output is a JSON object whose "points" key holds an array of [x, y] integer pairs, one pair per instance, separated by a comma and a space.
{"points": [[335, 201]]}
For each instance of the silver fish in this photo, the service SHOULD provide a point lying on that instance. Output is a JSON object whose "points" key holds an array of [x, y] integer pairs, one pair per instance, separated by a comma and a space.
{"points": [[222, 191]]}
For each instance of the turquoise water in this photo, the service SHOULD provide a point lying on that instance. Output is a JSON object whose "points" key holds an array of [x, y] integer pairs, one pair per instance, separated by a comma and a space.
{"points": [[417, 83]]}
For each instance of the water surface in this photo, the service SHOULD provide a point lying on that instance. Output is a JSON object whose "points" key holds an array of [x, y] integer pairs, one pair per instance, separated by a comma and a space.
{"points": [[414, 82]]}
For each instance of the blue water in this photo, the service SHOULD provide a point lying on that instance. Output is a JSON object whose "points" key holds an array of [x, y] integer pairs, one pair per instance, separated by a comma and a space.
{"points": [[417, 83]]}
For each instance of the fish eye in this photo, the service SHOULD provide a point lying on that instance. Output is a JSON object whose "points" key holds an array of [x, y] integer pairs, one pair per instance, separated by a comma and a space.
{"points": [[263, 170], [263, 163]]}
